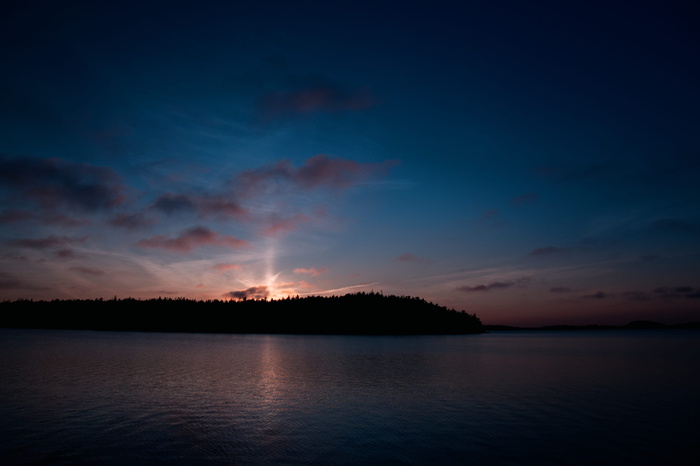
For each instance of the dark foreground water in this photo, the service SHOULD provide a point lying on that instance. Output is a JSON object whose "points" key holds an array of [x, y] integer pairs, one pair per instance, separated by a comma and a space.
{"points": [[603, 397]]}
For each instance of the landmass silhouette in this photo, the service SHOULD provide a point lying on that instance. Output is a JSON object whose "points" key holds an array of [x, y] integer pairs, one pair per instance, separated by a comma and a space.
{"points": [[634, 325], [352, 314]]}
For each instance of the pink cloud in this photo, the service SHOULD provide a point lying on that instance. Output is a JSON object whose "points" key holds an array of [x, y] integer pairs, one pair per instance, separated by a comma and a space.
{"points": [[66, 254], [224, 267], [220, 206], [190, 239], [51, 241], [283, 226], [205, 205], [313, 99], [12, 216], [548, 251], [65, 221], [131, 221], [319, 171], [88, 270], [412, 258], [313, 271]]}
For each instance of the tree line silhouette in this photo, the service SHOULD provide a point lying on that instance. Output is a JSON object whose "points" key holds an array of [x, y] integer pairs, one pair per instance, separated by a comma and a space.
{"points": [[358, 313]]}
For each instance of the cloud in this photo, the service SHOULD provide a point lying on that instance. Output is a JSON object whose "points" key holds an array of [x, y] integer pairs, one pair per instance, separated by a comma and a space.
{"points": [[571, 173], [220, 206], [66, 254], [134, 221], [8, 282], [254, 292], [676, 292], [57, 183], [51, 241], [637, 295], [65, 221], [412, 258], [12, 216], [88, 271], [205, 205], [488, 215], [492, 286], [190, 239], [586, 244], [225, 267], [319, 171], [313, 99], [560, 289], [670, 225], [526, 198], [548, 251], [596, 243], [658, 293], [173, 203], [313, 271], [282, 226]]}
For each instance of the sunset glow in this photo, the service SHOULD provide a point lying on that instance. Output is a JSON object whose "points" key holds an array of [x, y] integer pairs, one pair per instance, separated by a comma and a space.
{"points": [[533, 165]]}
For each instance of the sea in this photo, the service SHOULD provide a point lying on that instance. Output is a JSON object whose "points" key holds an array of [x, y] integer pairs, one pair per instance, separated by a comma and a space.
{"points": [[596, 397]]}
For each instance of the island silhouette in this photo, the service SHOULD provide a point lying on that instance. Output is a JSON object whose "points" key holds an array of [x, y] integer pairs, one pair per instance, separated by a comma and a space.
{"points": [[352, 314]]}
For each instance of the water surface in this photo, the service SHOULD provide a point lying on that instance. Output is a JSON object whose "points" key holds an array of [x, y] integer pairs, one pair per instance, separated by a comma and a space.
{"points": [[596, 397]]}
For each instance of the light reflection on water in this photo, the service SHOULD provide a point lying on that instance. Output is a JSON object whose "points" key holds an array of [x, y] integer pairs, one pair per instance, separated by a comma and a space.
{"points": [[599, 397]]}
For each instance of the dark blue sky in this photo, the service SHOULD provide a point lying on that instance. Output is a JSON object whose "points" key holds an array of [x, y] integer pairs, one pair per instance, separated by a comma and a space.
{"points": [[531, 162]]}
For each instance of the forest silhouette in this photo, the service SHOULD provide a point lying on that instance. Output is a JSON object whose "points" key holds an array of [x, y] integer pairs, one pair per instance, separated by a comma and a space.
{"points": [[352, 314]]}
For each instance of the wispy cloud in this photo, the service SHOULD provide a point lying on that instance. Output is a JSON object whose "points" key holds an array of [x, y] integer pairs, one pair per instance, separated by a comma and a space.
{"points": [[320, 171], [314, 98], [226, 267], [88, 270], [560, 289], [412, 258], [637, 295], [9, 282], [313, 271], [548, 251], [51, 241], [190, 239], [526, 198], [344, 289], [12, 216], [66, 254], [221, 205], [672, 225], [66, 221], [282, 226], [492, 286], [676, 292], [660, 293], [57, 184], [170, 203], [134, 221]]}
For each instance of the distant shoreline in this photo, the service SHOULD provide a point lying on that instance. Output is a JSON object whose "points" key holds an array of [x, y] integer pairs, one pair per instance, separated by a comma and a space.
{"points": [[635, 325]]}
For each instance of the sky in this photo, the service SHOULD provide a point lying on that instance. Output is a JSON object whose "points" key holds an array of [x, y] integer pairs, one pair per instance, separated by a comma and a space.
{"points": [[533, 163]]}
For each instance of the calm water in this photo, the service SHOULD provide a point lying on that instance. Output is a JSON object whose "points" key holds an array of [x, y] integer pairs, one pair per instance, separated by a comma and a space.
{"points": [[503, 398]]}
